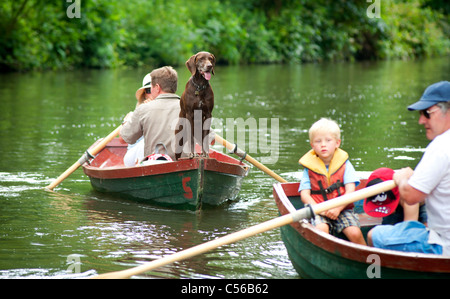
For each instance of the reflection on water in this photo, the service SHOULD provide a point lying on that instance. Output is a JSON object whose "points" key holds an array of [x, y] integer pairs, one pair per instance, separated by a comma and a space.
{"points": [[47, 120], [397, 153], [13, 184]]}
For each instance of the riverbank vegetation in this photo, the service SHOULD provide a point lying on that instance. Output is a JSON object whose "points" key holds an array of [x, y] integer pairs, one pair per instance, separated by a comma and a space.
{"points": [[40, 34]]}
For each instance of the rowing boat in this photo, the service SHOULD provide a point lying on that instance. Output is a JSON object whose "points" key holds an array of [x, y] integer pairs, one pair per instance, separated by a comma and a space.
{"points": [[185, 184], [315, 254]]}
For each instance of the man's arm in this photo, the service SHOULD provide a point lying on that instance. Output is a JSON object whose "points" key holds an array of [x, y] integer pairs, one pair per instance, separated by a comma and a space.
{"points": [[131, 129], [409, 194]]}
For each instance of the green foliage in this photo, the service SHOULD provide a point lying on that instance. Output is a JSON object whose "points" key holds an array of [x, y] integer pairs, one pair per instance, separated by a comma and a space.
{"points": [[37, 34], [420, 36]]}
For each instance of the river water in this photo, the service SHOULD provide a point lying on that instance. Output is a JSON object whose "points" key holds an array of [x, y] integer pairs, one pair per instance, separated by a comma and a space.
{"points": [[47, 120]]}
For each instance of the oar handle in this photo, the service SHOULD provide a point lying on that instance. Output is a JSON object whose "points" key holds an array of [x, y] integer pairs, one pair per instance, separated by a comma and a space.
{"points": [[242, 154], [94, 151]]}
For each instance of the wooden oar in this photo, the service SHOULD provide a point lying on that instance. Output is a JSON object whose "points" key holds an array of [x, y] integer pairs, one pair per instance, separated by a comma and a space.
{"points": [[298, 215], [234, 149], [84, 158]]}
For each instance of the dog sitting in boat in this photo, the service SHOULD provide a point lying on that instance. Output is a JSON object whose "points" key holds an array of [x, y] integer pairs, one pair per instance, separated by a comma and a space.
{"points": [[197, 97]]}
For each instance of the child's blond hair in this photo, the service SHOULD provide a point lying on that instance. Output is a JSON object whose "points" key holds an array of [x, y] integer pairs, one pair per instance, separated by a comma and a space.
{"points": [[325, 125]]}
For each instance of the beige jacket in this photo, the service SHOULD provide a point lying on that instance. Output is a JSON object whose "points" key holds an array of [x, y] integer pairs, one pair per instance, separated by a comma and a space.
{"points": [[156, 121]]}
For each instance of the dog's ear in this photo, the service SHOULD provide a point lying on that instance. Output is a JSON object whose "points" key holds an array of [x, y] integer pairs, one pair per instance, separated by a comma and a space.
{"points": [[213, 62], [190, 64]]}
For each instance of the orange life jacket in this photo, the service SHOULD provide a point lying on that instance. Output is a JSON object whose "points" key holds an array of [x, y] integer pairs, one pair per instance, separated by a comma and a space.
{"points": [[326, 183]]}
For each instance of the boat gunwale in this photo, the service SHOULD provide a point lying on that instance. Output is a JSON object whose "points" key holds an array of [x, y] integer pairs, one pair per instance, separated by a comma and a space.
{"points": [[228, 165]]}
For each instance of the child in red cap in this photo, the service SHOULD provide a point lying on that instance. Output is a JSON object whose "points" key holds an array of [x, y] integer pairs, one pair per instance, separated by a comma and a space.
{"points": [[388, 204]]}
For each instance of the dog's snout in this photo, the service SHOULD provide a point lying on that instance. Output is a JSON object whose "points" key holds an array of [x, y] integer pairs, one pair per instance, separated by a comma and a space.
{"points": [[206, 65]]}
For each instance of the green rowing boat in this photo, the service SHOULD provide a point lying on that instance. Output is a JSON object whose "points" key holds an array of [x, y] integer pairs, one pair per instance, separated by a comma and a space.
{"points": [[185, 184], [315, 254]]}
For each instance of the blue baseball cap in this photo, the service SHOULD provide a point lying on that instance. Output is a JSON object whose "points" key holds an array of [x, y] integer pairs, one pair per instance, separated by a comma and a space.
{"points": [[435, 93]]}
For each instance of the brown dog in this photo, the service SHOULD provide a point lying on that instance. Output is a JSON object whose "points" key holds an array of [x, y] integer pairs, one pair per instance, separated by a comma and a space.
{"points": [[197, 97]]}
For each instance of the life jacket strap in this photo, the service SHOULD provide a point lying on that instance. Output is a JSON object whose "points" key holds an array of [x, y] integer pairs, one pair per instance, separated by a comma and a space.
{"points": [[324, 191]]}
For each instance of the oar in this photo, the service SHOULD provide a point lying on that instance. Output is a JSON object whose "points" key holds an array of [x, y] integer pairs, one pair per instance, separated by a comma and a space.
{"points": [[233, 148], [84, 158], [298, 215]]}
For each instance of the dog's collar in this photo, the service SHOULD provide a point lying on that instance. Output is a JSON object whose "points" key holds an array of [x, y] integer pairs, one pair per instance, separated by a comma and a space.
{"points": [[199, 87]]}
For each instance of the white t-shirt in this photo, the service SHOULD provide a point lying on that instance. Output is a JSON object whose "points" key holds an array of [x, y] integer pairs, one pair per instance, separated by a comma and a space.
{"points": [[432, 176]]}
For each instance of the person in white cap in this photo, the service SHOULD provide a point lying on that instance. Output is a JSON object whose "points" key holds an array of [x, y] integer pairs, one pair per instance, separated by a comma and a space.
{"points": [[429, 182], [135, 152], [144, 94]]}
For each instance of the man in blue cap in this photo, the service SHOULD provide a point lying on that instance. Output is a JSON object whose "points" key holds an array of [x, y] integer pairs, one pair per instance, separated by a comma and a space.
{"points": [[429, 182]]}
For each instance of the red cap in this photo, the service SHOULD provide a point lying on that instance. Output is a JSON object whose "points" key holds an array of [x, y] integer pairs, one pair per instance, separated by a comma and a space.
{"points": [[383, 204]]}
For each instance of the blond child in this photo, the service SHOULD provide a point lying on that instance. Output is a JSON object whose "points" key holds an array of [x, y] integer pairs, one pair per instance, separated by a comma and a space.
{"points": [[328, 174]]}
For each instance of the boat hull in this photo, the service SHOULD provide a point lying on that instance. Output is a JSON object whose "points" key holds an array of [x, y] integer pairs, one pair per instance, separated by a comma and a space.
{"points": [[186, 184], [315, 254]]}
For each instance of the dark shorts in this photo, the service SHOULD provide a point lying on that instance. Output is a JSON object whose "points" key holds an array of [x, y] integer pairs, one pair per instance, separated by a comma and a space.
{"points": [[398, 216]]}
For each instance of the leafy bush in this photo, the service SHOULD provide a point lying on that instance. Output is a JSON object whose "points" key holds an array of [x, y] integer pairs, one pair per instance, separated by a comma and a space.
{"points": [[37, 34]]}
